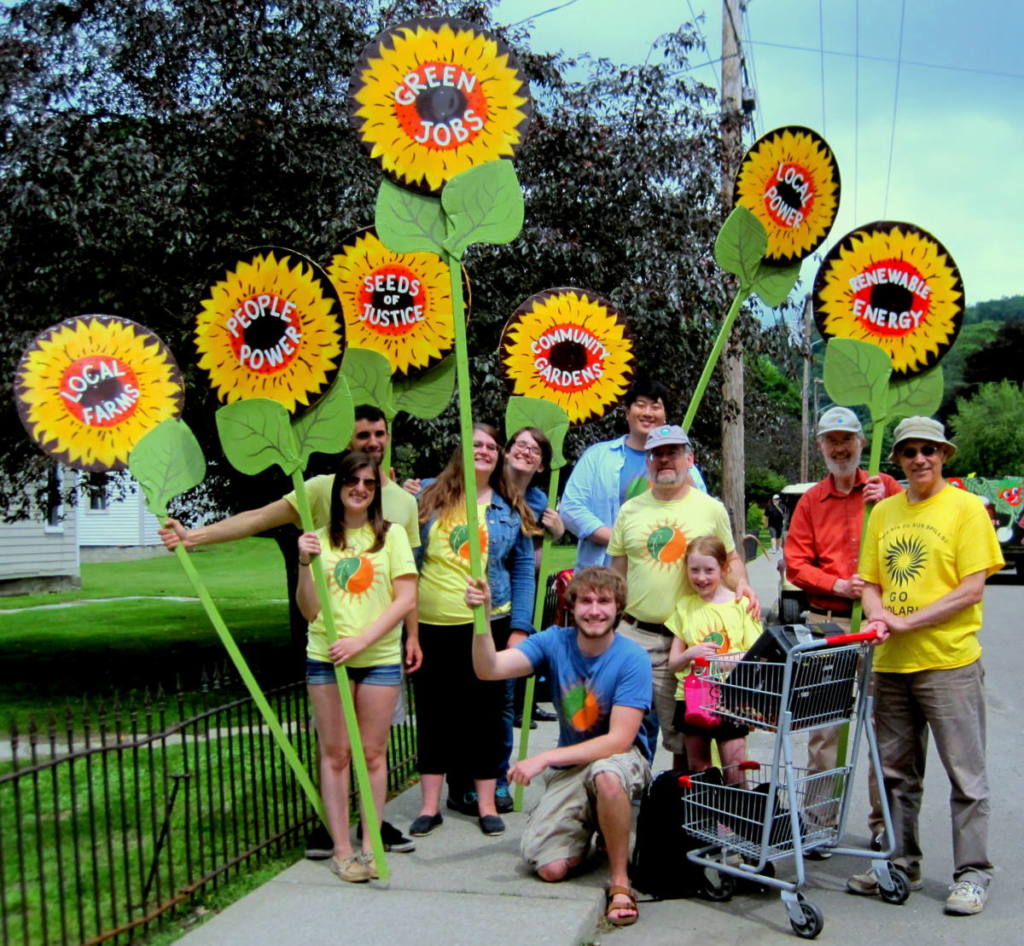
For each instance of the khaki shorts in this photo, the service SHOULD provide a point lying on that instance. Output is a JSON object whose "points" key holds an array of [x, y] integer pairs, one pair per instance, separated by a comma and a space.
{"points": [[566, 816]]}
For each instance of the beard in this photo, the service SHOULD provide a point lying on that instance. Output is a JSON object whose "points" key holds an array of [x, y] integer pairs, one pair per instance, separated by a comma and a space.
{"points": [[843, 467]]}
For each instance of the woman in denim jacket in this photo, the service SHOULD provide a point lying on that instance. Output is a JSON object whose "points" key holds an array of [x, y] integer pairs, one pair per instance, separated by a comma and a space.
{"points": [[459, 718]]}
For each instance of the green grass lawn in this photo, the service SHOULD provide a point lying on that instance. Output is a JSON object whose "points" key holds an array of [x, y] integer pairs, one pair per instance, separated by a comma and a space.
{"points": [[50, 656]]}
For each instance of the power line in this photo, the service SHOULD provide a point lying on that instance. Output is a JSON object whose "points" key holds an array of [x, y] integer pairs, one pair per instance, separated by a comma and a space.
{"points": [[537, 16], [821, 43], [905, 62], [895, 107], [856, 107]]}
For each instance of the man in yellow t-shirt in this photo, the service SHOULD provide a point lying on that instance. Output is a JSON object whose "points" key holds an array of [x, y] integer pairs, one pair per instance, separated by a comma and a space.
{"points": [[924, 562], [648, 548]]}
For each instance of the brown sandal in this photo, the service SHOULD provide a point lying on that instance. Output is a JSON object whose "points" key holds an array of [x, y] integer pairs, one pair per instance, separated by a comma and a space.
{"points": [[610, 905]]}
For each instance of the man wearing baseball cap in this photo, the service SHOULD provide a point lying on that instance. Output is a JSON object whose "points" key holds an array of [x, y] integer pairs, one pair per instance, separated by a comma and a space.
{"points": [[648, 546], [926, 556]]}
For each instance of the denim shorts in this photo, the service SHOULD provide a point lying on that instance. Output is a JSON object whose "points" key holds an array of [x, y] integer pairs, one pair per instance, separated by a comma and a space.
{"points": [[387, 675]]}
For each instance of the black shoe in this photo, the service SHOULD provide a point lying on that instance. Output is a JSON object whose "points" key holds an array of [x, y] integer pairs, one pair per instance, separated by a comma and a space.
{"points": [[544, 716], [424, 824], [464, 804], [392, 839], [518, 723], [492, 825], [503, 800], [319, 845]]}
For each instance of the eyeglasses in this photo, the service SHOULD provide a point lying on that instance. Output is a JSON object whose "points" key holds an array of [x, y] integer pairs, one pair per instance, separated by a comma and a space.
{"points": [[368, 482], [528, 448], [927, 450]]}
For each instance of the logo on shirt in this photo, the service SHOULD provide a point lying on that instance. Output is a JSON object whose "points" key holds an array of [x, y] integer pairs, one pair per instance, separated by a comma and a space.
{"points": [[354, 575], [666, 544], [580, 708], [905, 560], [719, 637], [458, 540]]}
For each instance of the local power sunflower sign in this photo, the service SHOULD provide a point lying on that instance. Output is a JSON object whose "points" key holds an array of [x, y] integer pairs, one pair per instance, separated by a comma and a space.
{"points": [[89, 388], [271, 327]]}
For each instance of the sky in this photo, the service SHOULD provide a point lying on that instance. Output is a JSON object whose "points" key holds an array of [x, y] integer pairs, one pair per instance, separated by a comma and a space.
{"points": [[920, 100]]}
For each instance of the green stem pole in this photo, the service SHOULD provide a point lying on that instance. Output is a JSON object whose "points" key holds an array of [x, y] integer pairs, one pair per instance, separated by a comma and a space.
{"points": [[269, 716], [716, 352], [370, 820], [538, 615], [466, 431]]}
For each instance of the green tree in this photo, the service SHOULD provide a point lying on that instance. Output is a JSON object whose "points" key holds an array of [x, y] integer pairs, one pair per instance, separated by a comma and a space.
{"points": [[1006, 309], [988, 430]]}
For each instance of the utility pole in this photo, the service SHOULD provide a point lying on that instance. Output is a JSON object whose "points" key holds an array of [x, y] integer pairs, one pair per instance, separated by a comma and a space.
{"points": [[805, 424], [731, 125]]}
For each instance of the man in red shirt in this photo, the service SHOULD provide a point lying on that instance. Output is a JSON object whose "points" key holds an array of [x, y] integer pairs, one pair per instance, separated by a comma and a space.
{"points": [[823, 546]]}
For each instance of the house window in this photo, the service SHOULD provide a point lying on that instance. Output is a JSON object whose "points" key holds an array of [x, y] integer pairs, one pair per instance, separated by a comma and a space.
{"points": [[54, 500], [96, 489]]}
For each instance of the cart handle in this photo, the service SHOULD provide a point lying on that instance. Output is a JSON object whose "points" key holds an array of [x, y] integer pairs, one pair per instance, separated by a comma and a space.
{"points": [[684, 781], [851, 638]]}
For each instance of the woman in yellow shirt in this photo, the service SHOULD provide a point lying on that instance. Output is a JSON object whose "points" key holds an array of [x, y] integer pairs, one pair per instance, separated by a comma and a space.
{"points": [[371, 576]]}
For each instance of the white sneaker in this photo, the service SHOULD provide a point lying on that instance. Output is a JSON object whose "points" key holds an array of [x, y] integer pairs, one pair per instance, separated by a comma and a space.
{"points": [[966, 898]]}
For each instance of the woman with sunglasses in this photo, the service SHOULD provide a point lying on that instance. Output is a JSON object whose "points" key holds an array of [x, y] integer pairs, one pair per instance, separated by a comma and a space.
{"points": [[459, 718], [371, 576]]}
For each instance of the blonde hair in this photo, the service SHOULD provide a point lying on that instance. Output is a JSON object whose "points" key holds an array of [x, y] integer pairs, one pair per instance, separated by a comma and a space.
{"points": [[710, 545]]}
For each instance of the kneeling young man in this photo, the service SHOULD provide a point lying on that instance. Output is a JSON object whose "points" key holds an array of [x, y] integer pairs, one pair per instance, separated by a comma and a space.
{"points": [[601, 688]]}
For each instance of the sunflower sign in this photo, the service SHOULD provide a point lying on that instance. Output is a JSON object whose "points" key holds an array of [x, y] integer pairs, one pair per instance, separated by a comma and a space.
{"points": [[443, 107], [271, 327], [786, 199], [89, 388]]}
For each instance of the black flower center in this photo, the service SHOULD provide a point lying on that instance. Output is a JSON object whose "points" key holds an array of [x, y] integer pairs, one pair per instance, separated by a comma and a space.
{"points": [[264, 334], [789, 194], [391, 300], [109, 389], [441, 104], [891, 298], [568, 356]]}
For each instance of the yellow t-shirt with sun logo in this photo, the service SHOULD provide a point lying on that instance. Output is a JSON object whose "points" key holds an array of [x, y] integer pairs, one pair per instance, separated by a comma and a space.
{"points": [[653, 535], [918, 552], [360, 585], [445, 568], [729, 624]]}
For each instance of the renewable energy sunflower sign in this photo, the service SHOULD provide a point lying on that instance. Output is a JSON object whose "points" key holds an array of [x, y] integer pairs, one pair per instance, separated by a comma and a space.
{"points": [[396, 304], [89, 388], [271, 328], [893, 285], [432, 97], [789, 180], [571, 348]]}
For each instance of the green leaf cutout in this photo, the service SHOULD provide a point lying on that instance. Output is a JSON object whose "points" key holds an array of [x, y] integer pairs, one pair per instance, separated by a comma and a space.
{"points": [[920, 394], [368, 374], [257, 433], [741, 244], [407, 222], [430, 393], [773, 284], [328, 426], [535, 412], [483, 205], [857, 373], [167, 461]]}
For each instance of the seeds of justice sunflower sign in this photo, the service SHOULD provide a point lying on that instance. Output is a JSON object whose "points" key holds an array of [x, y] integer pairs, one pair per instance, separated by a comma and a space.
{"points": [[89, 388], [433, 97], [271, 327]]}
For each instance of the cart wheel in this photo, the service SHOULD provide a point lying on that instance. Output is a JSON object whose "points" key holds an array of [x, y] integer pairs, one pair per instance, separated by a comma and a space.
{"points": [[812, 923], [900, 890], [718, 887]]}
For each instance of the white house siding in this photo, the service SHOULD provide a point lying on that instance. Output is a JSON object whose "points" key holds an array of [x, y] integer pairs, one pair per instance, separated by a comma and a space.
{"points": [[124, 521], [32, 550]]}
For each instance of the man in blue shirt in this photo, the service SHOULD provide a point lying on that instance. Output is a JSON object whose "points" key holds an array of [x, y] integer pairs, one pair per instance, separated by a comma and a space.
{"points": [[601, 689], [610, 472]]}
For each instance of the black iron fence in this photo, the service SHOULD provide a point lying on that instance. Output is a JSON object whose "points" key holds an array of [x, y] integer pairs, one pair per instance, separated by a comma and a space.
{"points": [[112, 819]]}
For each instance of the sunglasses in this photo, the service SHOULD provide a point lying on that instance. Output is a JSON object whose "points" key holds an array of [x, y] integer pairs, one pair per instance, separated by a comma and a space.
{"points": [[928, 450], [368, 482]]}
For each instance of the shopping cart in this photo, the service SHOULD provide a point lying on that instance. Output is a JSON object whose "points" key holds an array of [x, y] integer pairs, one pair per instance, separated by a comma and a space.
{"points": [[754, 814]]}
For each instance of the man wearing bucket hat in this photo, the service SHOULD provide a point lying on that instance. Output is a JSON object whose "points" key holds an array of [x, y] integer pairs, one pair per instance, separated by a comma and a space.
{"points": [[821, 552], [648, 545], [926, 556]]}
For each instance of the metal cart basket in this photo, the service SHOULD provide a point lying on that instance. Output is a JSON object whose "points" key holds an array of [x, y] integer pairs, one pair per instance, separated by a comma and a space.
{"points": [[754, 814]]}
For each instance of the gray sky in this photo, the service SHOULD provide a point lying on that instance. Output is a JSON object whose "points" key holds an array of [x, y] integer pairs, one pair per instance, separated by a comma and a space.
{"points": [[951, 160]]}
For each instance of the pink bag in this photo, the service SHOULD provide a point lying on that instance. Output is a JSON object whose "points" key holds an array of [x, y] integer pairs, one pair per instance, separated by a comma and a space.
{"points": [[700, 692]]}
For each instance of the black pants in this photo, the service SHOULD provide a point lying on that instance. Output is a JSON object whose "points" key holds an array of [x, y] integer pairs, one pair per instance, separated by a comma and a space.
{"points": [[458, 717]]}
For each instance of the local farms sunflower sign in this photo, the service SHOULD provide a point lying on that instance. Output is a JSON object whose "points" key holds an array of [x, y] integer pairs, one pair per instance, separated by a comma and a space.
{"points": [[893, 285], [789, 180], [396, 304], [432, 97], [569, 347], [89, 388], [271, 327]]}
